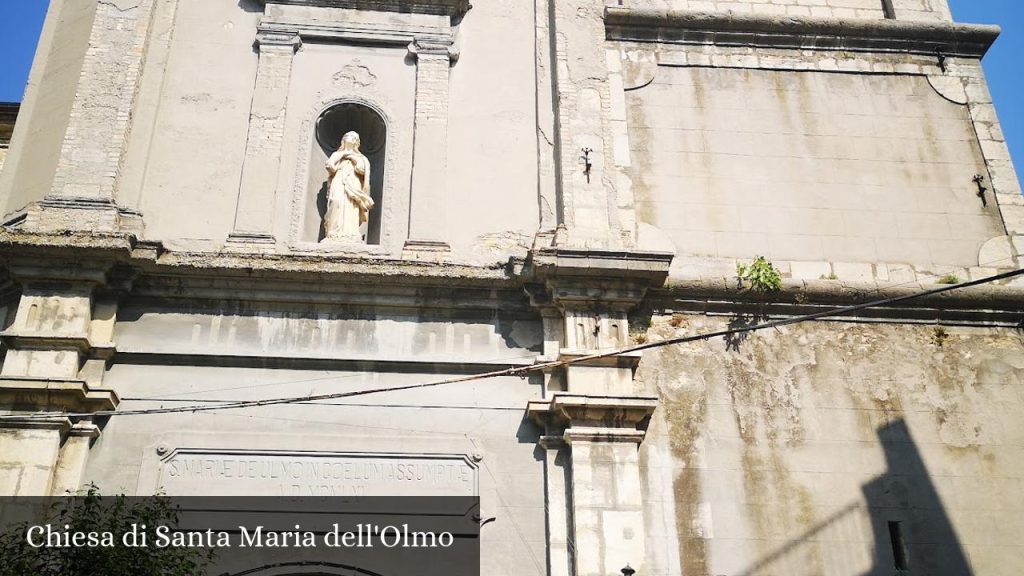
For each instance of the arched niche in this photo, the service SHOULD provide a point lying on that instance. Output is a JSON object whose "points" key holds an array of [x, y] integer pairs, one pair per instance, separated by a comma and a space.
{"points": [[332, 123]]}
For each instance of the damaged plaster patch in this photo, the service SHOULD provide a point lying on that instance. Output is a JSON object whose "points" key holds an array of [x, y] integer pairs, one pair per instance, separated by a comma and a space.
{"points": [[500, 246], [792, 398], [671, 372]]}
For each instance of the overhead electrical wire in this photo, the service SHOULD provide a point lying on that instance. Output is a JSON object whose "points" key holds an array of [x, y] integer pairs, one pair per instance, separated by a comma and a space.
{"points": [[521, 371]]}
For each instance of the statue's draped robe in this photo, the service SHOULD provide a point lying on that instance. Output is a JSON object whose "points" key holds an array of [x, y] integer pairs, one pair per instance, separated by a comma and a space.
{"points": [[348, 195]]}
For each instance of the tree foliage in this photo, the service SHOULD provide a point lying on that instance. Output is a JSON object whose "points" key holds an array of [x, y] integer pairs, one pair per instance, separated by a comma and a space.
{"points": [[91, 512]]}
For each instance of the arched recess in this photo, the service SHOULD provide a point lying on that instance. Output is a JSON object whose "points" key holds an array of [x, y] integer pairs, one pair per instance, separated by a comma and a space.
{"points": [[331, 124], [306, 568]]}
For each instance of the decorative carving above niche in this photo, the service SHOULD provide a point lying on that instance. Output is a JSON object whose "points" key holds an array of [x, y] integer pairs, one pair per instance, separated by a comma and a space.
{"points": [[452, 8], [354, 75]]}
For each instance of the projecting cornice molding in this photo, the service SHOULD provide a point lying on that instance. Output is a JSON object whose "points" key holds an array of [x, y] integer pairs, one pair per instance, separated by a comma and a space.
{"points": [[452, 8], [862, 35]]}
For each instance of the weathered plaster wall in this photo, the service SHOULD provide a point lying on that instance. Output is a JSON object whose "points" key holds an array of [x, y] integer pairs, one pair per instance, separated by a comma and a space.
{"points": [[808, 166], [900, 9], [173, 352], [328, 332], [194, 161], [789, 451], [476, 418], [51, 91], [203, 101], [492, 134]]}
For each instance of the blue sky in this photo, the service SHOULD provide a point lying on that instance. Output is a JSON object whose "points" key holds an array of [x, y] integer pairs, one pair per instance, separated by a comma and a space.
{"points": [[19, 30]]}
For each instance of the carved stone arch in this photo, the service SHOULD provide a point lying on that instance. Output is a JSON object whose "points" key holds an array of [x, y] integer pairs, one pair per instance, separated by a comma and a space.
{"points": [[386, 221], [306, 569]]}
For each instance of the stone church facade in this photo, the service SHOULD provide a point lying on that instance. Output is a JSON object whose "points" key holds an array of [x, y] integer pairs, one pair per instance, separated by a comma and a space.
{"points": [[550, 179]]}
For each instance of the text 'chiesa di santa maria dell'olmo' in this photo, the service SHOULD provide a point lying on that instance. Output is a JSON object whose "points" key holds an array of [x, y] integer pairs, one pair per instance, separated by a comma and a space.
{"points": [[208, 204]]}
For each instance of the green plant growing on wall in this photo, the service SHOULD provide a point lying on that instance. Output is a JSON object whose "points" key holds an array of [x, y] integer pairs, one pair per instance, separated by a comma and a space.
{"points": [[948, 279], [761, 274], [91, 512]]}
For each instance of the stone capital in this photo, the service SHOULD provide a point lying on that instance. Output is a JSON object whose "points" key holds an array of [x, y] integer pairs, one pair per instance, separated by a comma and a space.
{"points": [[436, 47], [281, 39], [610, 418], [585, 279]]}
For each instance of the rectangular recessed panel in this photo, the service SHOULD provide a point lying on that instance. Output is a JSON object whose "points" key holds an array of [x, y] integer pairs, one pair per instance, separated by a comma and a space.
{"points": [[808, 166]]}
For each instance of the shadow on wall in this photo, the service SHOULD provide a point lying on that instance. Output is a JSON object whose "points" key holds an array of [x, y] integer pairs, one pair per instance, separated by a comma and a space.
{"points": [[912, 533]]}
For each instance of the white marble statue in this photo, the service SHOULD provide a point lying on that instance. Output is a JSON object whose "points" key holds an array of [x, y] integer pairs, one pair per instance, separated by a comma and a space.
{"points": [[348, 192]]}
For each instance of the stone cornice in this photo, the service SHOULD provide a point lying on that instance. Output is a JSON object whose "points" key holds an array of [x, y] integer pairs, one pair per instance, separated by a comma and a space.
{"points": [[798, 32], [279, 277], [988, 305], [453, 8], [643, 268]]}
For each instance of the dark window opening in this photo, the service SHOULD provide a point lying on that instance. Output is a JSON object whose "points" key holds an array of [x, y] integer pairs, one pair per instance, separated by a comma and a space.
{"points": [[899, 548]]}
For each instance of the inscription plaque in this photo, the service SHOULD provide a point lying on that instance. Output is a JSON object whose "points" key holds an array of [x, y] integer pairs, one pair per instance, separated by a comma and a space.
{"points": [[261, 473]]}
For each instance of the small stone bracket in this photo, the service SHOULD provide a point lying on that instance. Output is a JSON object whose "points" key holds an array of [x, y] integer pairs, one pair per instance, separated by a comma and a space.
{"points": [[429, 250]]}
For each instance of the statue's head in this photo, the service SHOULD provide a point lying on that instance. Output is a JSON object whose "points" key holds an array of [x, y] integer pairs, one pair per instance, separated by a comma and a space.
{"points": [[350, 141]]}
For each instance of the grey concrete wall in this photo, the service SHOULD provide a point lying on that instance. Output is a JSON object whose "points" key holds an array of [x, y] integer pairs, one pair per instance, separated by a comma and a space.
{"points": [[44, 115], [808, 166], [788, 452]]}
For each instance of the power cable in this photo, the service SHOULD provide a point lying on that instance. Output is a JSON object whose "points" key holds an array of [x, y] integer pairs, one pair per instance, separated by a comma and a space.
{"points": [[524, 370]]}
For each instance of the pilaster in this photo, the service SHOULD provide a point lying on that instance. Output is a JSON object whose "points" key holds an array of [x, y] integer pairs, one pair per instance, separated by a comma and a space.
{"points": [[254, 213], [28, 455], [602, 435], [74, 454], [593, 422], [596, 199], [428, 211], [83, 194], [57, 349]]}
